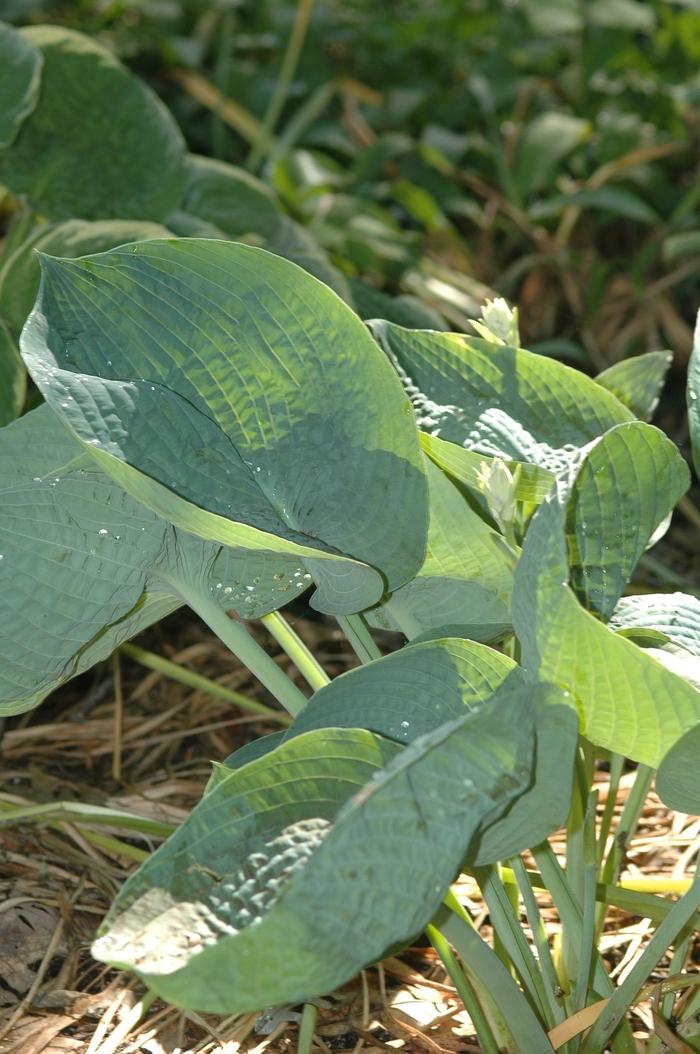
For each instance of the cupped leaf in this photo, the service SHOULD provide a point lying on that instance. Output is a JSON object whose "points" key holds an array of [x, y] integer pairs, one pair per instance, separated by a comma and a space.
{"points": [[693, 396], [413, 691], [638, 382], [677, 782], [307, 864], [627, 701], [498, 400], [239, 398], [675, 615], [233, 201], [466, 578], [628, 484], [20, 272], [13, 378], [83, 566], [20, 79], [79, 154]]}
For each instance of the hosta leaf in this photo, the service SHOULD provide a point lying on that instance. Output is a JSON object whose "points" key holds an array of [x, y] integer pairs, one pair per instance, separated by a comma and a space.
{"points": [[13, 378], [413, 691], [637, 382], [20, 79], [239, 398], [677, 782], [78, 154], [693, 396], [228, 197], [676, 615], [19, 275], [84, 566], [626, 700], [307, 864], [410, 692], [237, 203], [466, 578], [626, 486], [498, 400]]}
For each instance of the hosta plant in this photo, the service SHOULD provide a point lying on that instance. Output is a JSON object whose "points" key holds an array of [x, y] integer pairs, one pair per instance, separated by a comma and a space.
{"points": [[221, 430]]}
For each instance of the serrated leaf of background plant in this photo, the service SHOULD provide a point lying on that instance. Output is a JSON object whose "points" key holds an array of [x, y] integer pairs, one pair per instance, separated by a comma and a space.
{"points": [[83, 566], [677, 782], [627, 701], [413, 691], [638, 382], [498, 400], [299, 868], [79, 155], [235, 202], [467, 576], [20, 81], [627, 484], [693, 396], [239, 398]]}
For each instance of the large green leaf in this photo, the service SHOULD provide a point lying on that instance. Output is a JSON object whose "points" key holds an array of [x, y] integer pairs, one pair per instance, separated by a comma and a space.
{"points": [[627, 701], [238, 204], [693, 396], [99, 144], [83, 566], [413, 691], [19, 274], [13, 378], [626, 486], [239, 398], [637, 382], [20, 78], [307, 864], [467, 576], [499, 400]]}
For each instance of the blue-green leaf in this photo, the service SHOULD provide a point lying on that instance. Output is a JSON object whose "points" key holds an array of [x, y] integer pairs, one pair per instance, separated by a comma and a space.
{"points": [[242, 400], [305, 865], [79, 154]]}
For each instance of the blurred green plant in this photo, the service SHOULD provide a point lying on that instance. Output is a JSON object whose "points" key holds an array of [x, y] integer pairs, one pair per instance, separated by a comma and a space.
{"points": [[544, 150]]}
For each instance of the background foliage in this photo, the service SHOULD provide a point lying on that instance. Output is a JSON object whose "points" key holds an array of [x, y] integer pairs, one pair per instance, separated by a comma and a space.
{"points": [[546, 150]]}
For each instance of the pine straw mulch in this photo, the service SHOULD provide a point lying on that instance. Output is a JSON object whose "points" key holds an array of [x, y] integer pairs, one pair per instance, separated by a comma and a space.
{"points": [[57, 879]]}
